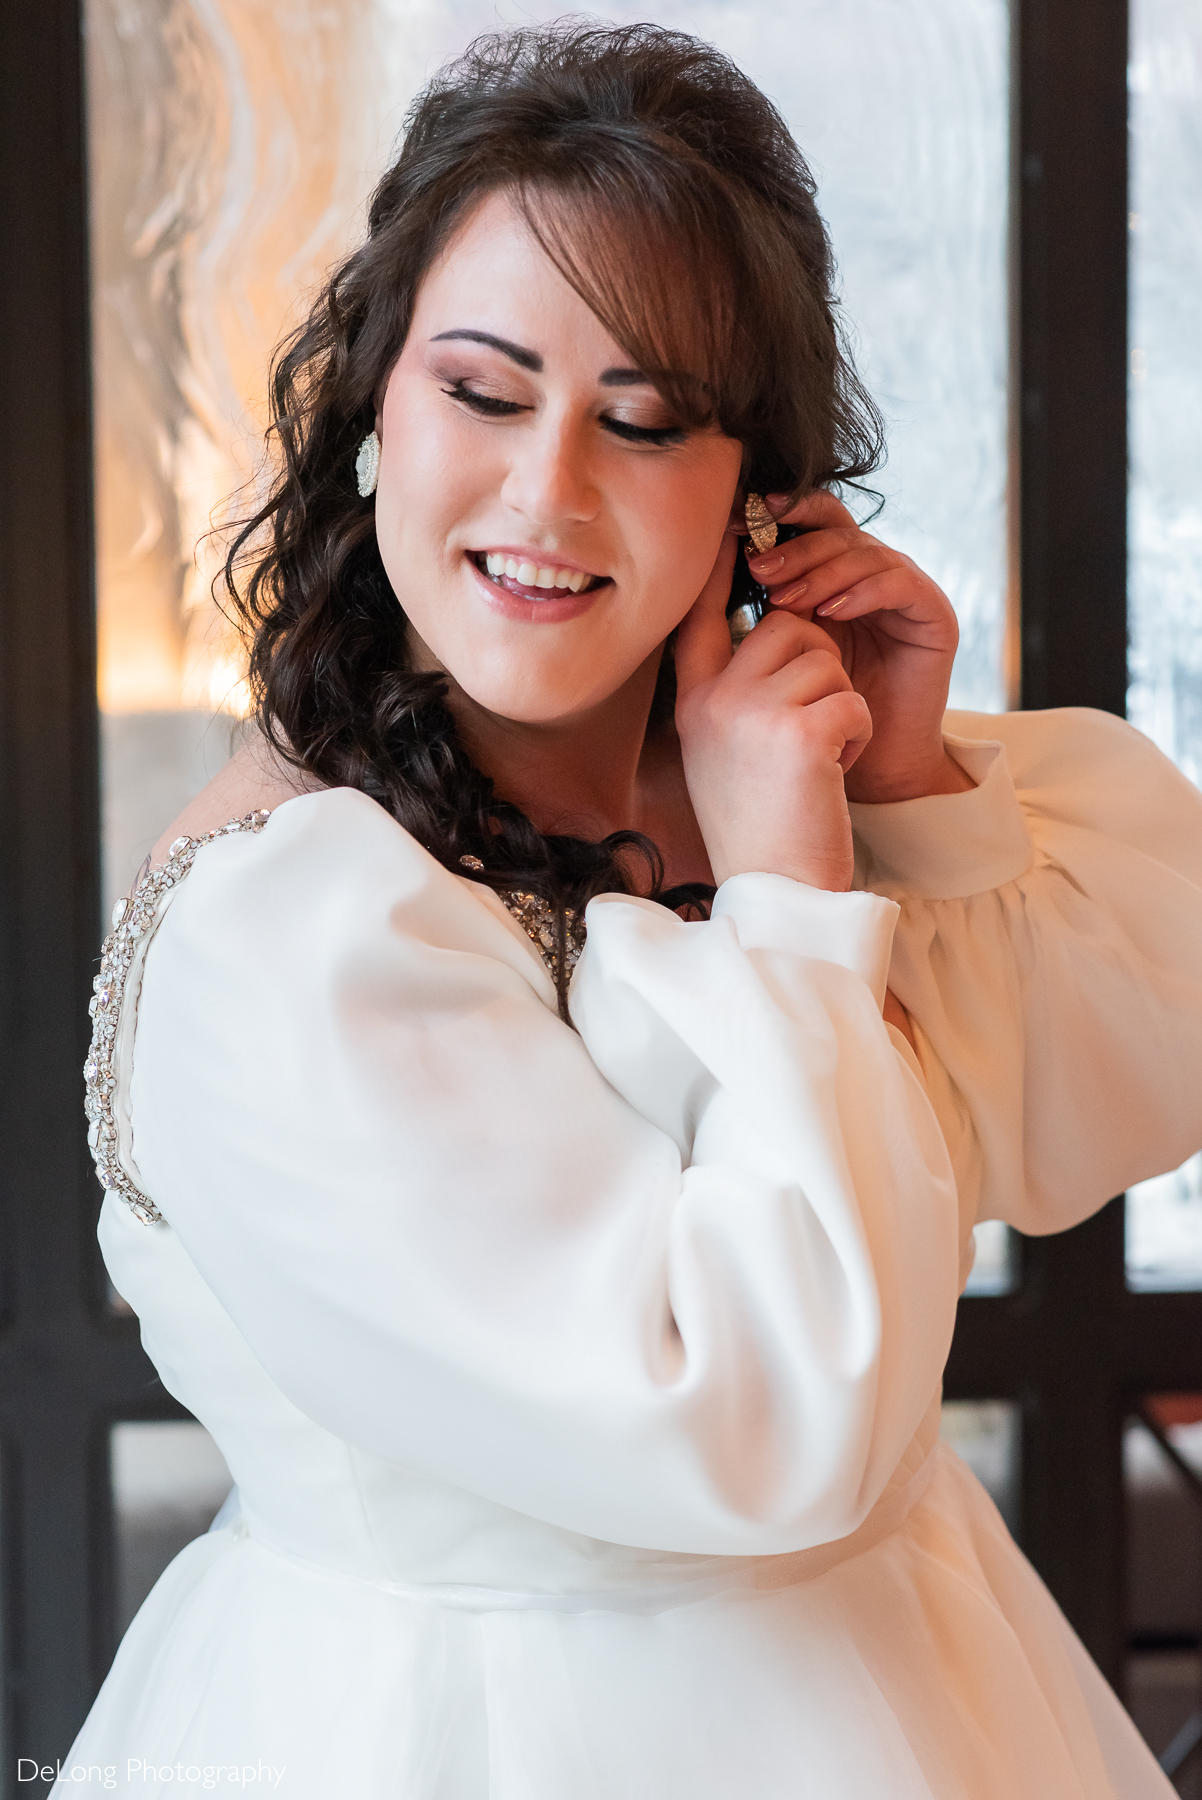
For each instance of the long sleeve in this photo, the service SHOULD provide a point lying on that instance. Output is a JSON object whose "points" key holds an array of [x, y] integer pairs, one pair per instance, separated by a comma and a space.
{"points": [[1049, 953], [683, 1278]]}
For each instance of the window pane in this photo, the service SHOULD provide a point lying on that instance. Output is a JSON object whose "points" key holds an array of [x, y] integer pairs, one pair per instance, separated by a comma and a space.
{"points": [[993, 1269], [1162, 1481], [1164, 1230], [1164, 1219], [985, 1434], [1165, 699], [168, 1481]]}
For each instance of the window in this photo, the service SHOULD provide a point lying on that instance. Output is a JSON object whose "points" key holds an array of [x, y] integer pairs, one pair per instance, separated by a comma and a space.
{"points": [[1164, 1216]]}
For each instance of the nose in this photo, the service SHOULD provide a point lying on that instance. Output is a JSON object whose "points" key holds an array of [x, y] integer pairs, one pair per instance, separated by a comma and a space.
{"points": [[549, 480]]}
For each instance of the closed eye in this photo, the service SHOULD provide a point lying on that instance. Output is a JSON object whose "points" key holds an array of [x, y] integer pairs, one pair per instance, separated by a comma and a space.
{"points": [[645, 434], [487, 404], [491, 406]]}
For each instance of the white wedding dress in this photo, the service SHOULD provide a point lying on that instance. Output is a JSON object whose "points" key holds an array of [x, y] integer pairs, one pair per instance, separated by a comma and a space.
{"points": [[581, 1389]]}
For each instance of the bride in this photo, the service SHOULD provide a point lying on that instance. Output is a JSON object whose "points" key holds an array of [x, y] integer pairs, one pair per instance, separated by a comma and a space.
{"points": [[546, 1085]]}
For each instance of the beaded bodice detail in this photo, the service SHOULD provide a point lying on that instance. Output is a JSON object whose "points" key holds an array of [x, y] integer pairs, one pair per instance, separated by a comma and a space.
{"points": [[536, 916], [135, 917]]}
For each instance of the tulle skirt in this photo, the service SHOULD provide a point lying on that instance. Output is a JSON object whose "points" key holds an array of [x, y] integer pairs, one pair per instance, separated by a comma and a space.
{"points": [[932, 1666]]}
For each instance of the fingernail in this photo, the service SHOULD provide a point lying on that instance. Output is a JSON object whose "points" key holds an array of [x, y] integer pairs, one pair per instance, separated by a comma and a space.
{"points": [[789, 594], [765, 565], [828, 607]]}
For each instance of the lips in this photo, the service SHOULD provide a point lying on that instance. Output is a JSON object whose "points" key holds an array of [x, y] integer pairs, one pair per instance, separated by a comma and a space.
{"points": [[527, 579]]}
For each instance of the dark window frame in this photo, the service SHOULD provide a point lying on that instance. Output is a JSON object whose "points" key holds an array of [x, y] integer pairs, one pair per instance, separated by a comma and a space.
{"points": [[1071, 1344]]}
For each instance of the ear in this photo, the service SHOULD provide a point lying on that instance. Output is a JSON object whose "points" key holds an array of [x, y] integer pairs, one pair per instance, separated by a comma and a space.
{"points": [[737, 522]]}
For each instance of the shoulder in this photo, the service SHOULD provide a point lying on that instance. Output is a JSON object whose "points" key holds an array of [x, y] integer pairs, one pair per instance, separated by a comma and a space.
{"points": [[1059, 744], [332, 891], [254, 780], [1073, 766]]}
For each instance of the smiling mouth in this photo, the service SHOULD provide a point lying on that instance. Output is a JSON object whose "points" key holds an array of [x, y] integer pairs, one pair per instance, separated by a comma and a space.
{"points": [[534, 581]]}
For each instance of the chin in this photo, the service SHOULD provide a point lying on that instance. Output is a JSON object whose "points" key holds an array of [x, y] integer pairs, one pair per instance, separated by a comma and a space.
{"points": [[531, 697], [526, 707]]}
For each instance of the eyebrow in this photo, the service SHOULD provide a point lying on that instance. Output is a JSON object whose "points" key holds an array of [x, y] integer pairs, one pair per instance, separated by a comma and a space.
{"points": [[530, 359], [623, 378], [525, 359]]}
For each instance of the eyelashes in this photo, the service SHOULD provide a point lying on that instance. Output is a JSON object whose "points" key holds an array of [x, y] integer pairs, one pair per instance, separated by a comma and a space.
{"points": [[645, 434], [489, 406]]}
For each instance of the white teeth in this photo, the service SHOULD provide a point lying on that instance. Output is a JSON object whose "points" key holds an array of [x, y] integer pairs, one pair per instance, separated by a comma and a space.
{"points": [[535, 574]]}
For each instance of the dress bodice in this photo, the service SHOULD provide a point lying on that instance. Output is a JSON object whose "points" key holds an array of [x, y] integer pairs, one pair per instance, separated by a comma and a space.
{"points": [[313, 1497]]}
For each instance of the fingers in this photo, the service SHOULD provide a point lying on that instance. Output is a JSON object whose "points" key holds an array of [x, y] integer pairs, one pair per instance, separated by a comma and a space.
{"points": [[802, 557], [797, 665], [851, 716], [776, 641], [703, 636], [838, 726], [820, 507], [841, 576], [874, 581], [889, 592]]}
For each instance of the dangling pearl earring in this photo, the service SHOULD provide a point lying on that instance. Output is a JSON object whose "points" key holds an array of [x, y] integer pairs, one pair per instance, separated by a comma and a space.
{"points": [[367, 465]]}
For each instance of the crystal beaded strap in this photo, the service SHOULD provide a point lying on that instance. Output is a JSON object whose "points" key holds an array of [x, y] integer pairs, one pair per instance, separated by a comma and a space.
{"points": [[132, 920]]}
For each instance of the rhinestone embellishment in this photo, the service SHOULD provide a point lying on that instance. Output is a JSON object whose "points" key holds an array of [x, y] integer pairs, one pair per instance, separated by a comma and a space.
{"points": [[536, 917], [132, 920]]}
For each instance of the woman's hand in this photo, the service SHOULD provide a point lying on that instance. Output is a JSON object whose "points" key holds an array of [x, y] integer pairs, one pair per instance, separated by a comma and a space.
{"points": [[896, 634], [766, 735]]}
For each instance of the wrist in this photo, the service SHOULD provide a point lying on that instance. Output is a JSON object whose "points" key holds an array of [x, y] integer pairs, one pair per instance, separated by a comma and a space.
{"points": [[938, 773]]}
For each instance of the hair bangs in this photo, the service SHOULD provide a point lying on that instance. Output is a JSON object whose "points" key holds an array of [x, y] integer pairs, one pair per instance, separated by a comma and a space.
{"points": [[642, 257]]}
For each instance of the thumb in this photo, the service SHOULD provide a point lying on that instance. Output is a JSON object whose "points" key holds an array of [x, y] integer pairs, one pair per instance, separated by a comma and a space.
{"points": [[703, 637]]}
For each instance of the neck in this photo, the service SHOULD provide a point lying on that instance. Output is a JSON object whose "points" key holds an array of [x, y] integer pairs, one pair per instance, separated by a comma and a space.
{"points": [[584, 776]]}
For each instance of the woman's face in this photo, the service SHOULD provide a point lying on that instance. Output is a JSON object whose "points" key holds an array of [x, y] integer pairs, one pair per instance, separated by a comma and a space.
{"points": [[542, 517]]}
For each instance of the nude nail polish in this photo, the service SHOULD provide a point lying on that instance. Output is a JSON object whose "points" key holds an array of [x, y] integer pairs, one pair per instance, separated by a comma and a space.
{"points": [[766, 564]]}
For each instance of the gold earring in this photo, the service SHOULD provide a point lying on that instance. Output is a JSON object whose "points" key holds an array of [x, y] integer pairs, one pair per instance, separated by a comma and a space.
{"points": [[761, 526]]}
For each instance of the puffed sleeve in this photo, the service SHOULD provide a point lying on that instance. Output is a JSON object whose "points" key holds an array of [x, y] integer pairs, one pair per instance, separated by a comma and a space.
{"points": [[1049, 953], [684, 1277]]}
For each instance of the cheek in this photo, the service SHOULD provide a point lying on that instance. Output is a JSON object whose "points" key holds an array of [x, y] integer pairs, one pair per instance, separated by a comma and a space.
{"points": [[421, 491], [675, 529]]}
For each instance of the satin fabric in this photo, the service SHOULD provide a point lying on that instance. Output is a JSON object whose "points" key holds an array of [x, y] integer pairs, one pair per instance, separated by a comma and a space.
{"points": [[581, 1387]]}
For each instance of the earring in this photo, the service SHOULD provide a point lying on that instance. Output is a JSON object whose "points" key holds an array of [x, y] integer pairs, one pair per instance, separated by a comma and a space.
{"points": [[367, 465], [761, 526]]}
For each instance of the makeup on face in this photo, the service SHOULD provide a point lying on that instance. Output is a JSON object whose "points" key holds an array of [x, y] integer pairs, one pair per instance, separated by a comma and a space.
{"points": [[520, 586], [530, 475]]}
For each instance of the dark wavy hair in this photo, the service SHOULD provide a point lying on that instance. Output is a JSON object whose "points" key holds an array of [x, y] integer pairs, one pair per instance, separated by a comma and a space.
{"points": [[668, 192]]}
